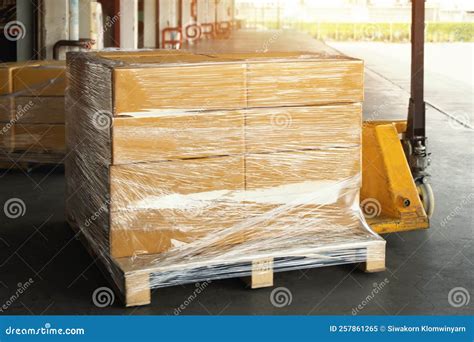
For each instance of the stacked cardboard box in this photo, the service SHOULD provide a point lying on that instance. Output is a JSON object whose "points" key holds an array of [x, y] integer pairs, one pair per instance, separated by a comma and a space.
{"points": [[226, 155], [32, 107]]}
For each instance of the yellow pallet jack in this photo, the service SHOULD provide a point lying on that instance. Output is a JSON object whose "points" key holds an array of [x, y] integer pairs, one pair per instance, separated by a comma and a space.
{"points": [[396, 195]]}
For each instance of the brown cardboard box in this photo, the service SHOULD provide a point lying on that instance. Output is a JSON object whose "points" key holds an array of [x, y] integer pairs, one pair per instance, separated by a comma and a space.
{"points": [[7, 137], [305, 82], [44, 80], [306, 190], [133, 54], [6, 74], [36, 78], [152, 204], [302, 128], [144, 83], [268, 56], [267, 170], [156, 205], [192, 87], [32, 110], [177, 136], [183, 135], [6, 108], [38, 138], [155, 82]]}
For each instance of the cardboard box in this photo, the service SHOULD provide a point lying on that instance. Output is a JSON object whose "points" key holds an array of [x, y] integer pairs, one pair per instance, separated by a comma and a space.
{"points": [[37, 138], [36, 78], [6, 74], [156, 205], [179, 135], [32, 110], [138, 83], [302, 128], [305, 82], [153, 82], [305, 190], [32, 106], [7, 137], [184, 87], [268, 170], [133, 54], [157, 165]]}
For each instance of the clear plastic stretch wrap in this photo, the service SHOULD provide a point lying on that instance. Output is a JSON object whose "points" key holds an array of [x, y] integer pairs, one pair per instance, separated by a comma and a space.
{"points": [[32, 107], [193, 167]]}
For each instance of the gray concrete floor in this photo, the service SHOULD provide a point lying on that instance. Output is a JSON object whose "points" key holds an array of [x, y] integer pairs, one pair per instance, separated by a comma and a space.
{"points": [[423, 266]]}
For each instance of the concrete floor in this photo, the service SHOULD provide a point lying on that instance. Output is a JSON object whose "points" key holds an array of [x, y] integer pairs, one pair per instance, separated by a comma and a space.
{"points": [[423, 266]]}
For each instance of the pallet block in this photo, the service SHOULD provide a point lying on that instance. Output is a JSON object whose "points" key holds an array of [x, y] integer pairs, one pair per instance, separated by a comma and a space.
{"points": [[134, 281], [375, 262], [262, 274]]}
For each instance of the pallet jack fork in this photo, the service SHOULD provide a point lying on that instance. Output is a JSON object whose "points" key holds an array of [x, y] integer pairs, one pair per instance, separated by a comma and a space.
{"points": [[396, 195]]}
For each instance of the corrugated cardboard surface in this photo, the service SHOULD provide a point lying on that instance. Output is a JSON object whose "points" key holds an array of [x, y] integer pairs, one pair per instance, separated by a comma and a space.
{"points": [[300, 128], [198, 88], [297, 83], [178, 200], [6, 75], [41, 138], [40, 81], [182, 135], [32, 110], [32, 106]]}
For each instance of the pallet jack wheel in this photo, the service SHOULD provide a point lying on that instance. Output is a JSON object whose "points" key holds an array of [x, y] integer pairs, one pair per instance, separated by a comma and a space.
{"points": [[427, 198]]}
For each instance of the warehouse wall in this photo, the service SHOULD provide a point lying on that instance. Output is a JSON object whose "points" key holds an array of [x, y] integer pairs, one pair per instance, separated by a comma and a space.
{"points": [[168, 15], [206, 11], [224, 10], [56, 25], [125, 23]]}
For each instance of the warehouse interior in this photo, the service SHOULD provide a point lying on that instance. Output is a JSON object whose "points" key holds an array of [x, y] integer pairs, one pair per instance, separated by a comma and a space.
{"points": [[394, 102]]}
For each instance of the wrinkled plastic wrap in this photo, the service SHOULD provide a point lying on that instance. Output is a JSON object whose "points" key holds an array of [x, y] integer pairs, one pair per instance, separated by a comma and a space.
{"points": [[32, 118], [191, 167]]}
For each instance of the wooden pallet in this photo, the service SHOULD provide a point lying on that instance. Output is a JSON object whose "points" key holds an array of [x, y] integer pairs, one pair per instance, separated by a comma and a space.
{"points": [[132, 277]]}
